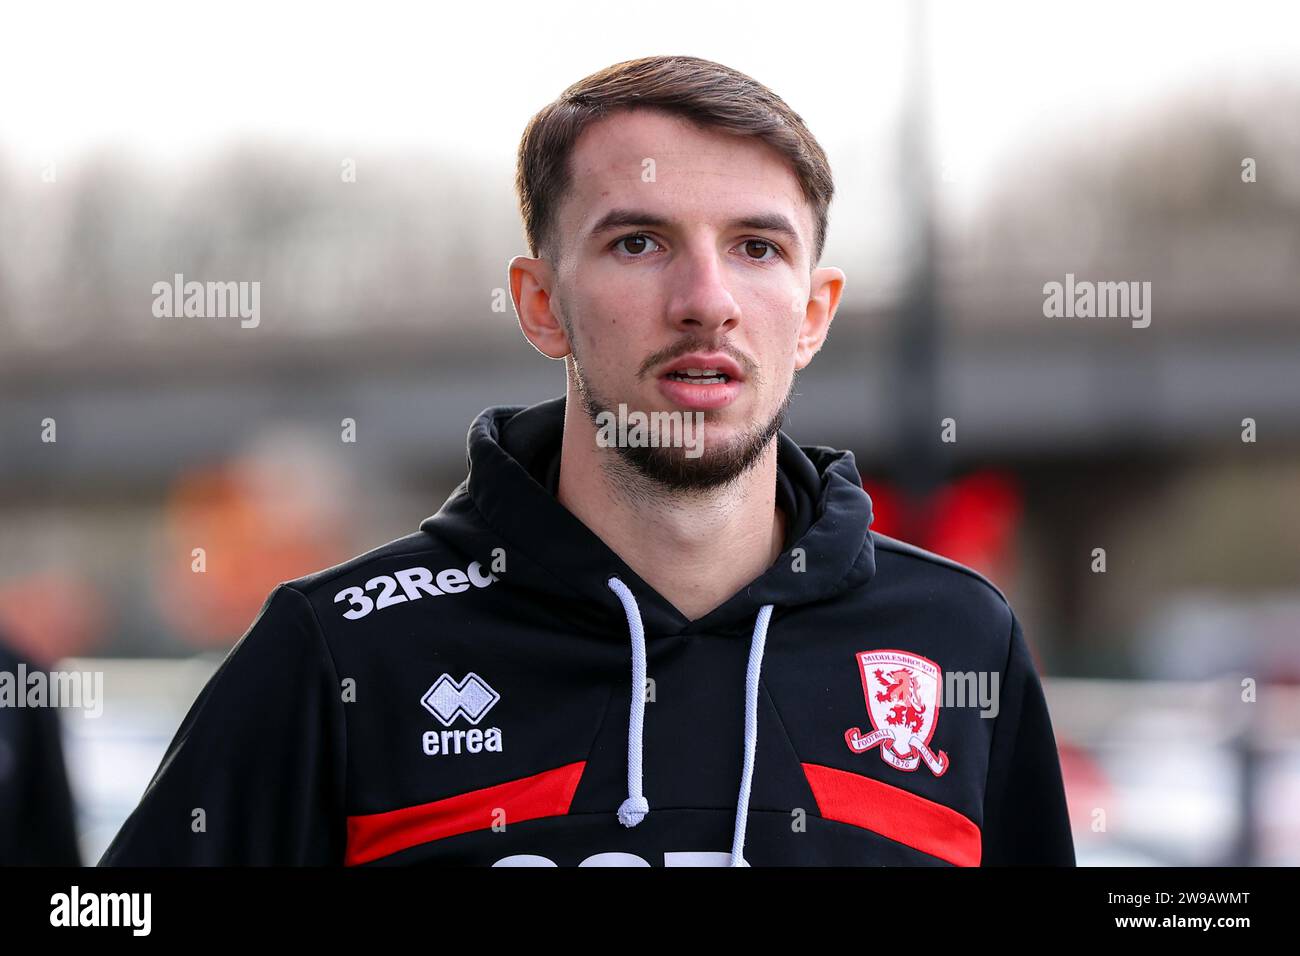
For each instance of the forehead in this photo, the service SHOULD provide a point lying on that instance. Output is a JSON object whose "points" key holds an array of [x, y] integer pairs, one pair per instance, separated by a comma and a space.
{"points": [[699, 175]]}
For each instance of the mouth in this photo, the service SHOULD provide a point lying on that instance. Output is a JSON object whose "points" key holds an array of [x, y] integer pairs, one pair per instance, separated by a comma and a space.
{"points": [[699, 376], [699, 388]]}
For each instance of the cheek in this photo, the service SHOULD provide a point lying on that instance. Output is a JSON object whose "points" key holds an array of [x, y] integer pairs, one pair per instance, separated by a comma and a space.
{"points": [[607, 303], [774, 292], [609, 345], [610, 320], [781, 367], [781, 341]]}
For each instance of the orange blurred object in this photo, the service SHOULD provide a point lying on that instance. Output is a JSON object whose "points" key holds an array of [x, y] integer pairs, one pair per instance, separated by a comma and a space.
{"points": [[50, 615], [258, 521]]}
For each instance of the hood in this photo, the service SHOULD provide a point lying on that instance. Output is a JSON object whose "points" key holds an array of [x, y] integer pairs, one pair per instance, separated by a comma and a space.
{"points": [[514, 461]]}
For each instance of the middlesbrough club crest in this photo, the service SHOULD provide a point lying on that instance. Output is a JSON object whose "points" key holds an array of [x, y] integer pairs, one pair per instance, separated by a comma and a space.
{"points": [[903, 698]]}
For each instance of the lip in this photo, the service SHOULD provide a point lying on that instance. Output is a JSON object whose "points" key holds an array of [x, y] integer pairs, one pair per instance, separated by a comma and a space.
{"points": [[700, 398], [714, 360]]}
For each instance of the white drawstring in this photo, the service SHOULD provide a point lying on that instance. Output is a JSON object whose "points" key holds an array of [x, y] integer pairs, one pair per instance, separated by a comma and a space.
{"points": [[751, 732], [635, 808]]}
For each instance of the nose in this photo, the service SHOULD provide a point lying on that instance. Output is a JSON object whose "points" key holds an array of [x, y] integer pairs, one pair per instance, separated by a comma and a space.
{"points": [[700, 301]]}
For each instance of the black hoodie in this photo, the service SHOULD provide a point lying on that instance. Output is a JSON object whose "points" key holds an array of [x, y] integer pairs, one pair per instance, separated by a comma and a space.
{"points": [[464, 695], [37, 811]]}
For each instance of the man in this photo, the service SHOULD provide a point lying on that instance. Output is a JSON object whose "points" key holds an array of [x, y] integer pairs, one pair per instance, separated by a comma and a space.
{"points": [[611, 649]]}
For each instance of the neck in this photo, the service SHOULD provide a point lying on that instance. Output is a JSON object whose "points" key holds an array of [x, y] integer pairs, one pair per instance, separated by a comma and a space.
{"points": [[696, 549]]}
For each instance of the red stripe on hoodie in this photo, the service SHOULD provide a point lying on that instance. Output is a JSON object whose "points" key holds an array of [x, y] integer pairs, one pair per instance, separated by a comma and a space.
{"points": [[902, 816], [548, 794]]}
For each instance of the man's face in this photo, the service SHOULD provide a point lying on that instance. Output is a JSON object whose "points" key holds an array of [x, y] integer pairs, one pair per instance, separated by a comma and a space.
{"points": [[699, 263]]}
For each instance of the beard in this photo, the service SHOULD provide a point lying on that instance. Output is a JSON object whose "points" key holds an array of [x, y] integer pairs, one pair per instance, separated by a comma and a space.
{"points": [[669, 468]]}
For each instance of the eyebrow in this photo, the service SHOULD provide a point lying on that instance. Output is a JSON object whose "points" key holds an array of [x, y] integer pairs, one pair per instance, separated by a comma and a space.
{"points": [[625, 218]]}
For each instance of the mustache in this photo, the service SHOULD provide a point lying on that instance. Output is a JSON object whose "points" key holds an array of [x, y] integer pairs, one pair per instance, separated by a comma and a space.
{"points": [[695, 345]]}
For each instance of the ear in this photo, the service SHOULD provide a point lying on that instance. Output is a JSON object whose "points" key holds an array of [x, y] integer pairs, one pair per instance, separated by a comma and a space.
{"points": [[817, 313], [531, 282]]}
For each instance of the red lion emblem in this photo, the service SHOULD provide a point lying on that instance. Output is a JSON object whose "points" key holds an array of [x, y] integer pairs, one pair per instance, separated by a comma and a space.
{"points": [[900, 691], [903, 694]]}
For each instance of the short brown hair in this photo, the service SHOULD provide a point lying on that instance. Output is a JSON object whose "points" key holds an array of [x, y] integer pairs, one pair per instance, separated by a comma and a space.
{"points": [[706, 93]]}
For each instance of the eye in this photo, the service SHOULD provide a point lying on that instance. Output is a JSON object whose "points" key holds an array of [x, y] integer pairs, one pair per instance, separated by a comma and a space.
{"points": [[639, 239], [762, 245]]}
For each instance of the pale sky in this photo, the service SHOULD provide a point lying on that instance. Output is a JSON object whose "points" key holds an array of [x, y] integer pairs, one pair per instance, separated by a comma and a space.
{"points": [[168, 78], [170, 81]]}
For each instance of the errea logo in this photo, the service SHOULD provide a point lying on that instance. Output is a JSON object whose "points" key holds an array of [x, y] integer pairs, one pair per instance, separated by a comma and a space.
{"points": [[414, 583], [448, 700], [471, 698]]}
